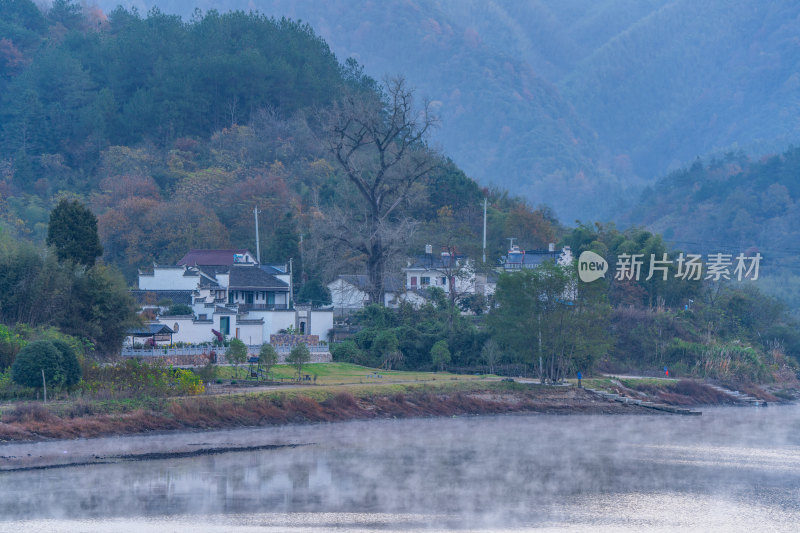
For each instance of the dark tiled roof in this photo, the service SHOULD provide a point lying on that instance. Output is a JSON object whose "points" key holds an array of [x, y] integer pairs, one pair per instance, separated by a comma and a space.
{"points": [[150, 329], [249, 321], [213, 270], [250, 277], [529, 258], [273, 269], [147, 298], [219, 310], [211, 257], [436, 262], [361, 282]]}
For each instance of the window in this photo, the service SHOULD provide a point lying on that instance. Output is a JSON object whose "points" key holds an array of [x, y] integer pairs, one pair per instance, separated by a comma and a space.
{"points": [[425, 280], [175, 327], [444, 280], [225, 325], [202, 317]]}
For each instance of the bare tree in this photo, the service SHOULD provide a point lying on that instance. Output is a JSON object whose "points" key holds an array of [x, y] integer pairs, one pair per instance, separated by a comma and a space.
{"points": [[380, 145]]}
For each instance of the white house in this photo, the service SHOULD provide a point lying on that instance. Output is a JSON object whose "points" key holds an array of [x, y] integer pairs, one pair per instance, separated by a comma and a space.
{"points": [[349, 292], [229, 292], [518, 259]]}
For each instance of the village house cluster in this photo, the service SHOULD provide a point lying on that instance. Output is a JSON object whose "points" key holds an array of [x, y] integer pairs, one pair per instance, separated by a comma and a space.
{"points": [[228, 293]]}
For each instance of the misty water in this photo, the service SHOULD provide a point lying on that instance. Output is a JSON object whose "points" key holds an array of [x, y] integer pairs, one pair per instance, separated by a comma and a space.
{"points": [[732, 469]]}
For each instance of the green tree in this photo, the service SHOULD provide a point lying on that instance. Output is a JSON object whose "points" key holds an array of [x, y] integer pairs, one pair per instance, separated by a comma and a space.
{"points": [[546, 317], [267, 356], [70, 367], [440, 354], [315, 293], [236, 354], [101, 309], [73, 233], [34, 358], [298, 357]]}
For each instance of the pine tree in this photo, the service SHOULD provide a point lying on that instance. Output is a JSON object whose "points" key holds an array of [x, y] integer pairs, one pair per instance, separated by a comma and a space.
{"points": [[73, 233]]}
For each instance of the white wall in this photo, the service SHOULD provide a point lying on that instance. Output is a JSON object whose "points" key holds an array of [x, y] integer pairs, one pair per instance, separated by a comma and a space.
{"points": [[346, 296], [167, 279], [321, 323]]}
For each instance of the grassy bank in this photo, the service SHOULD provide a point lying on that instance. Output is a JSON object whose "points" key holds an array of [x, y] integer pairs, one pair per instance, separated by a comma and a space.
{"points": [[81, 419]]}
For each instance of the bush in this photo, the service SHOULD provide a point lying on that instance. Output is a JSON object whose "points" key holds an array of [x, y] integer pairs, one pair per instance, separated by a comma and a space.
{"points": [[178, 309], [36, 357], [347, 352], [69, 363], [188, 382]]}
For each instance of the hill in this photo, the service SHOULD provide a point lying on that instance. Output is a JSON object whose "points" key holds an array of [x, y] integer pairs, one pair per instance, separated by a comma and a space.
{"points": [[564, 101]]}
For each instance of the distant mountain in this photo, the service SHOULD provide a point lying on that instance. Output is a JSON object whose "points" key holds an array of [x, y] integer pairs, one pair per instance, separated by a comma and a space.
{"points": [[566, 101], [733, 204]]}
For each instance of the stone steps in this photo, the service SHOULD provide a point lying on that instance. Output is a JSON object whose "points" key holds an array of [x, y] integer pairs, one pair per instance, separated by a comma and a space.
{"points": [[650, 405], [739, 396]]}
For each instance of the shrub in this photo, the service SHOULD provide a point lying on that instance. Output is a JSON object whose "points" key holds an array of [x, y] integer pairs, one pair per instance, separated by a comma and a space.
{"points": [[69, 363], [347, 352], [188, 382], [36, 357]]}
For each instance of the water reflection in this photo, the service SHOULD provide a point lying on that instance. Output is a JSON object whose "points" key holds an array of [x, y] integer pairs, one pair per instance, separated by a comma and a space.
{"points": [[731, 469]]}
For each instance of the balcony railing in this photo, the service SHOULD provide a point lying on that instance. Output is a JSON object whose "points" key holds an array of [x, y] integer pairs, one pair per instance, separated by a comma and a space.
{"points": [[243, 308]]}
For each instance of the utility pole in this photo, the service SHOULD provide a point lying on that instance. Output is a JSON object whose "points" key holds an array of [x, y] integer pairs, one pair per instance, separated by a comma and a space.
{"points": [[258, 242], [291, 288], [484, 230]]}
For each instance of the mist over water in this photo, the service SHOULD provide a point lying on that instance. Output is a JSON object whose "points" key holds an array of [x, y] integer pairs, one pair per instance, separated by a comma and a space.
{"points": [[734, 469]]}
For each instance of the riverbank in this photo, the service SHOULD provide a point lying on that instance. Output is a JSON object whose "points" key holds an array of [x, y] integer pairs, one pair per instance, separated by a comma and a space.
{"points": [[70, 420]]}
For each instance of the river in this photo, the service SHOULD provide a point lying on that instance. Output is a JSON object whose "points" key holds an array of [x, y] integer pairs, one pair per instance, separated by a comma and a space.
{"points": [[732, 469]]}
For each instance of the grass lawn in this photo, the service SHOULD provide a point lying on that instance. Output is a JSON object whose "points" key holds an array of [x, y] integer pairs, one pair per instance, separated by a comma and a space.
{"points": [[346, 373]]}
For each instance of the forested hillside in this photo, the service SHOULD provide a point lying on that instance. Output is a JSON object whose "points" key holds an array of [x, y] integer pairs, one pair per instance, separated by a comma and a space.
{"points": [[174, 131], [565, 100], [733, 204]]}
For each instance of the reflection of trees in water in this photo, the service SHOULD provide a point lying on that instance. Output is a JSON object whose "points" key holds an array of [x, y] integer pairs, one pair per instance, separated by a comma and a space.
{"points": [[465, 467]]}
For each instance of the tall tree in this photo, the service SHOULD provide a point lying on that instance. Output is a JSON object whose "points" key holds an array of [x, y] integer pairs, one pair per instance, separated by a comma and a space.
{"points": [[73, 233], [379, 144], [548, 320]]}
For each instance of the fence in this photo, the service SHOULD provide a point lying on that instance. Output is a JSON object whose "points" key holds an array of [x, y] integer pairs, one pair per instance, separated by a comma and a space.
{"points": [[128, 351]]}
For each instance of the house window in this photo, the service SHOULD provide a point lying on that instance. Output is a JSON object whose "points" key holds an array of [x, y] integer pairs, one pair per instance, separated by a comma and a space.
{"points": [[425, 280], [248, 297], [444, 280], [225, 325], [230, 297], [202, 317], [175, 327]]}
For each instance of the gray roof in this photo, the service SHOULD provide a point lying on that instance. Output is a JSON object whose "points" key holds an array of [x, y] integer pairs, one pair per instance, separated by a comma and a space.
{"points": [[150, 330], [177, 297], [361, 282], [273, 269], [435, 262], [528, 258], [251, 277]]}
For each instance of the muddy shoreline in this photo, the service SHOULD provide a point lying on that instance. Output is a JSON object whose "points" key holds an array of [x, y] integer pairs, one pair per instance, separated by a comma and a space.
{"points": [[32, 427], [32, 422]]}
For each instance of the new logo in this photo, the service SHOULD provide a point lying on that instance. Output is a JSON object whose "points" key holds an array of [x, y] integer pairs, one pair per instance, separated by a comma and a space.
{"points": [[591, 266]]}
